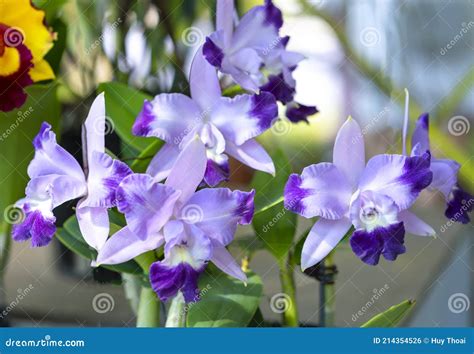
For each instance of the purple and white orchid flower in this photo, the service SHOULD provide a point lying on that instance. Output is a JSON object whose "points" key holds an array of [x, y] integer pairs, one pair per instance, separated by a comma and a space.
{"points": [[445, 171], [226, 126], [195, 227], [56, 177], [255, 55], [373, 198]]}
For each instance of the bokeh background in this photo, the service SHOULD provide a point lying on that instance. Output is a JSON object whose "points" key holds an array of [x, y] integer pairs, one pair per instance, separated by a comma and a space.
{"points": [[360, 57]]}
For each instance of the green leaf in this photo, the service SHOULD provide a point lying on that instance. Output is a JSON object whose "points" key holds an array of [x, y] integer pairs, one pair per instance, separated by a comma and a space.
{"points": [[273, 224], [17, 130], [71, 237], [122, 105], [391, 317], [225, 301], [140, 164]]}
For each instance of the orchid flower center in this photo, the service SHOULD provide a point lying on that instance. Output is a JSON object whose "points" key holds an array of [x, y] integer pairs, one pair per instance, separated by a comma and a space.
{"points": [[371, 210]]}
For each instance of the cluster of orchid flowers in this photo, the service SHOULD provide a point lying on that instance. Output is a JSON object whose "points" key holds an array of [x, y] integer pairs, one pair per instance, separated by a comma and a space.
{"points": [[187, 215]]}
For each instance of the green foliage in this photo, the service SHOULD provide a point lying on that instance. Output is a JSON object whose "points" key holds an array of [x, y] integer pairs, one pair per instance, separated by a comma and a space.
{"points": [[273, 224], [70, 236], [391, 317], [122, 105], [225, 301]]}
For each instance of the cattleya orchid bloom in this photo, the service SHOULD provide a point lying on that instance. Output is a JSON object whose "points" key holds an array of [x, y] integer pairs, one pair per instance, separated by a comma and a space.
{"points": [[56, 177], [226, 126], [445, 171], [255, 55], [373, 198], [24, 41], [195, 227]]}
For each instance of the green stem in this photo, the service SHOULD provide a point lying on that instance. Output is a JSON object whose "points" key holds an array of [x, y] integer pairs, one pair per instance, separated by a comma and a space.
{"points": [[149, 306], [290, 316], [177, 312], [328, 296], [5, 244], [148, 309]]}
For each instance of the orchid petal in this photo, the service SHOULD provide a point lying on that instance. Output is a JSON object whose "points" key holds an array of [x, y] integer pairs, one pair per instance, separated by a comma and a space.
{"points": [[94, 224], [225, 19], [258, 28], [414, 225], [105, 174], [400, 177], [252, 154], [60, 188], [50, 158], [204, 83], [420, 138], [445, 175], [161, 164], [124, 245], [170, 117], [188, 170], [251, 116], [322, 239], [93, 129], [217, 212], [225, 262], [349, 151], [147, 205], [321, 190]]}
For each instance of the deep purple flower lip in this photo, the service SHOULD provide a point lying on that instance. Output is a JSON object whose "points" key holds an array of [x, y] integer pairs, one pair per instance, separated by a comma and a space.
{"points": [[387, 241], [166, 281], [245, 207], [300, 113], [36, 227], [278, 87], [459, 205]]}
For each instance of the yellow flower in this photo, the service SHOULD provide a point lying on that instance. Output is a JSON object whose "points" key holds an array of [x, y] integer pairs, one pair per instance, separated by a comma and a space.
{"points": [[24, 41]]}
